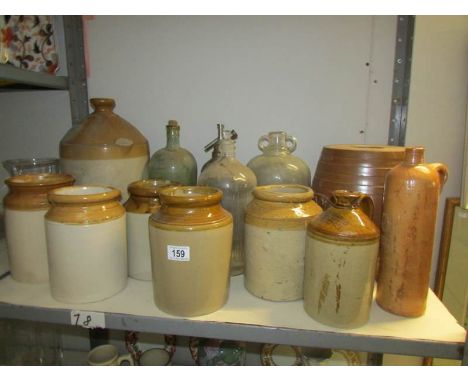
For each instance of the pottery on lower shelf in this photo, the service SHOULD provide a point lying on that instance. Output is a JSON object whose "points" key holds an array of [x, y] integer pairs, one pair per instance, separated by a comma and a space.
{"points": [[217, 352]]}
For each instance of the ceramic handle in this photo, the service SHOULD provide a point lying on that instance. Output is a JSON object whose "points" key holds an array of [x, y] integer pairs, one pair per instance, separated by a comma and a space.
{"points": [[263, 142], [442, 170], [125, 357], [367, 205], [291, 143]]}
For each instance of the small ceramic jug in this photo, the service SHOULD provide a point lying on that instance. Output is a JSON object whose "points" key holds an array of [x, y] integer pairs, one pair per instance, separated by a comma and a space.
{"points": [[411, 197], [25, 206], [275, 233], [107, 355], [340, 262], [86, 243], [143, 201], [190, 241]]}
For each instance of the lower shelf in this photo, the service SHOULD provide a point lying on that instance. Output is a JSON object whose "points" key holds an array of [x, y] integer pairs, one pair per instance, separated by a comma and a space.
{"points": [[247, 318]]}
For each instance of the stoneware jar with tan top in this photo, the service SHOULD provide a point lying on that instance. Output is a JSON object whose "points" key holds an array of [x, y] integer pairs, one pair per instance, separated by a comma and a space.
{"points": [[190, 241], [275, 233], [86, 243], [340, 263], [143, 201], [411, 198], [25, 206], [105, 149]]}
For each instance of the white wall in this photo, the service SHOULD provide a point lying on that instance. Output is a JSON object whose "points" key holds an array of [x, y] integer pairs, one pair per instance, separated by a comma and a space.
{"points": [[305, 75], [438, 99]]}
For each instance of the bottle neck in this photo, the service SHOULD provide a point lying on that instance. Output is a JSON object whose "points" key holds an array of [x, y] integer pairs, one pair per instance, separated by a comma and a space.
{"points": [[227, 148], [414, 156], [172, 137], [277, 142]]}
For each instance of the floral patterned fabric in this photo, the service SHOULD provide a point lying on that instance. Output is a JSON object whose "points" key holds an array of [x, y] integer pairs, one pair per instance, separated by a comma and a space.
{"points": [[27, 42]]}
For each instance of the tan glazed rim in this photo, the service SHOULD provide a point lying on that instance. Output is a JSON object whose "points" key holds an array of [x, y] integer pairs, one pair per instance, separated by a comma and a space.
{"points": [[38, 180], [148, 187], [185, 196], [83, 194], [288, 193]]}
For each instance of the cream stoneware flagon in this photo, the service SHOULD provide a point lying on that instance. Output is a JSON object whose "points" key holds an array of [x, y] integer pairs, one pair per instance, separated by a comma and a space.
{"points": [[25, 206], [105, 149], [86, 243], [275, 233], [190, 241], [340, 263]]}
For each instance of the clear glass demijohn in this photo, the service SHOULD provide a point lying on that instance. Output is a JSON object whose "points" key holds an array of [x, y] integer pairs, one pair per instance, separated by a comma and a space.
{"points": [[237, 182], [276, 164]]}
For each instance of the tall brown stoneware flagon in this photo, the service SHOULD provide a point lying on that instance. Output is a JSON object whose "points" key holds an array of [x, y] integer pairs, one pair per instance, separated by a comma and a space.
{"points": [[411, 198], [105, 149], [340, 261]]}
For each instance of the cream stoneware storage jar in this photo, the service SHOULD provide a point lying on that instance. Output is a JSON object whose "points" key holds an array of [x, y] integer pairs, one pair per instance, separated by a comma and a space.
{"points": [[190, 241], [25, 206], [86, 243], [275, 233], [143, 201]]}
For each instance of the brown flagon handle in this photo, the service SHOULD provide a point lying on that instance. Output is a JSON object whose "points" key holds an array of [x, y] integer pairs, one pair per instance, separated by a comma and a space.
{"points": [[367, 205], [442, 170]]}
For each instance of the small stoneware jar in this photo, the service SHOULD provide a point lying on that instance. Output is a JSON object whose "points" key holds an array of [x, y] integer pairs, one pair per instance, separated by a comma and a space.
{"points": [[190, 241], [86, 243], [340, 262], [143, 201], [275, 233], [25, 206]]}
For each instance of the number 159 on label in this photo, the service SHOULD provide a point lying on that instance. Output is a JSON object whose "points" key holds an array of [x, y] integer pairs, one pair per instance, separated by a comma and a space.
{"points": [[178, 253]]}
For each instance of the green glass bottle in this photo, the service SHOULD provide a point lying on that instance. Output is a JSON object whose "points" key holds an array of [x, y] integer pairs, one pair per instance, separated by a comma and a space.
{"points": [[173, 162]]}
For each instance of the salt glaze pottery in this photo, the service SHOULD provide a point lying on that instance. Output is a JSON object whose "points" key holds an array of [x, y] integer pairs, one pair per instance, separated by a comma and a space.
{"points": [[86, 243], [340, 263], [105, 149], [190, 241], [355, 167], [412, 191], [276, 164], [173, 162], [25, 206], [275, 233], [237, 182], [143, 201]]}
